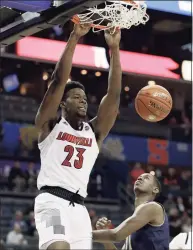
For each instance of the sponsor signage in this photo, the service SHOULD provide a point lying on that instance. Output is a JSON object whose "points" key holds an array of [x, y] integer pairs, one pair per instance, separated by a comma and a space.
{"points": [[116, 147], [95, 57]]}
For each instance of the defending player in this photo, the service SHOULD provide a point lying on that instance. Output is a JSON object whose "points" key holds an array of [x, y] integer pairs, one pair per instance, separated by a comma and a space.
{"points": [[70, 147], [147, 228]]}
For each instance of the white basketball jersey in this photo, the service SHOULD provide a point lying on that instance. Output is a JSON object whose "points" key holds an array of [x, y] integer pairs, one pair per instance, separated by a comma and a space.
{"points": [[67, 157], [182, 241]]}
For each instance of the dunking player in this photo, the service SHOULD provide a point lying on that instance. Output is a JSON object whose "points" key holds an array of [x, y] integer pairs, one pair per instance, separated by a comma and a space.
{"points": [[69, 148], [147, 228]]}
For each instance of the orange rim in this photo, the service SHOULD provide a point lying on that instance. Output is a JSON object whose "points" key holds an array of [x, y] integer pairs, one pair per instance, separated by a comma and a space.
{"points": [[129, 1], [76, 20]]}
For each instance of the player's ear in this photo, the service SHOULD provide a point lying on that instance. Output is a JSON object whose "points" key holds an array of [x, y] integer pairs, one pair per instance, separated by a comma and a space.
{"points": [[156, 190], [62, 104]]}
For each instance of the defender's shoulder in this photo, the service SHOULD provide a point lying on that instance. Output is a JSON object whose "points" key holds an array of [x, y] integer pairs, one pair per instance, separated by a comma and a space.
{"points": [[151, 204], [152, 208]]}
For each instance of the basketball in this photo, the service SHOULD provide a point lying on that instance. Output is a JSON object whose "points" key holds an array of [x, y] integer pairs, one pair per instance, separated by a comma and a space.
{"points": [[153, 103]]}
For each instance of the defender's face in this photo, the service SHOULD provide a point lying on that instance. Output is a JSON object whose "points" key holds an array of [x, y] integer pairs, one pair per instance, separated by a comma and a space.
{"points": [[76, 102], [145, 184]]}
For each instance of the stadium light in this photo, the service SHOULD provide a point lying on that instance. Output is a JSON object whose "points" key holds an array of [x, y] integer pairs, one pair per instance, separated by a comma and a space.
{"points": [[45, 76], [98, 74], [84, 72], [126, 89]]}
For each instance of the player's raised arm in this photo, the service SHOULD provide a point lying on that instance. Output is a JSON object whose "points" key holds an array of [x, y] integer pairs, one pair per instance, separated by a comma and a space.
{"points": [[144, 214], [109, 105], [51, 101]]}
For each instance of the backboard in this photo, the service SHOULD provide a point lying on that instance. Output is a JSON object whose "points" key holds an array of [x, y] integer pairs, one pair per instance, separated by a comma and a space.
{"points": [[21, 18]]}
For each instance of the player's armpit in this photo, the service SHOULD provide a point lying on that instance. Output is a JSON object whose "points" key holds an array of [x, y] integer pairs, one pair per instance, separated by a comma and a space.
{"points": [[144, 214], [106, 116]]}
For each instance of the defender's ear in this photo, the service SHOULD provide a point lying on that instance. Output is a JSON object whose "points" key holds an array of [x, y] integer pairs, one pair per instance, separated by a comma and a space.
{"points": [[62, 104], [156, 190]]}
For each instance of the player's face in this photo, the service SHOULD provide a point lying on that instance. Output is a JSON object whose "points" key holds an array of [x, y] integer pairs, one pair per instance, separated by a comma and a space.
{"points": [[145, 184], [76, 102]]}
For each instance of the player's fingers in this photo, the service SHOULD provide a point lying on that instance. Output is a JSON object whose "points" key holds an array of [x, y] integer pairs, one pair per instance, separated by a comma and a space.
{"points": [[109, 222], [113, 31], [107, 31], [103, 219], [86, 25], [101, 224]]}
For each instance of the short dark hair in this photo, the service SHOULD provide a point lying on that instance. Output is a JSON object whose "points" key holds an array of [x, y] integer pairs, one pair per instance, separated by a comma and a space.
{"points": [[72, 85], [158, 184]]}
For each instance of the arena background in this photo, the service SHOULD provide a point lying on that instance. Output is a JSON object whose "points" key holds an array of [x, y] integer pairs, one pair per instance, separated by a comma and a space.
{"points": [[158, 53]]}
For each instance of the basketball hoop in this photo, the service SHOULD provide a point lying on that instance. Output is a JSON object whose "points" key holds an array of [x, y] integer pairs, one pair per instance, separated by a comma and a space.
{"points": [[115, 14]]}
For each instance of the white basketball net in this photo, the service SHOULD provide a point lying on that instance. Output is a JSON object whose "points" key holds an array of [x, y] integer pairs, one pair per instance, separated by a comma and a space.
{"points": [[119, 14]]}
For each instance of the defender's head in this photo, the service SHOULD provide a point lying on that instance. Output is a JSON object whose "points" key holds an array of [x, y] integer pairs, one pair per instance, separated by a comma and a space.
{"points": [[74, 101], [147, 184]]}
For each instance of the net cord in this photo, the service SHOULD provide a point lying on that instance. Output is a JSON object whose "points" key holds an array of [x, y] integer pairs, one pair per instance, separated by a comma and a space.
{"points": [[117, 14]]}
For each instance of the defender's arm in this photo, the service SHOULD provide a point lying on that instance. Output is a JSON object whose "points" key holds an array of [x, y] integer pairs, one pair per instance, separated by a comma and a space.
{"points": [[109, 105], [51, 101], [143, 215]]}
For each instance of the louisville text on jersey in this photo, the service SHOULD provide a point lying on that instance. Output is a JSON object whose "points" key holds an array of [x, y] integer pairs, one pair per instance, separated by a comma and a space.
{"points": [[87, 142]]}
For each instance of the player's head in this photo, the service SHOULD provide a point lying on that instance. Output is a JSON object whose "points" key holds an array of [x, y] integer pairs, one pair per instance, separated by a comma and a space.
{"points": [[74, 101], [147, 184]]}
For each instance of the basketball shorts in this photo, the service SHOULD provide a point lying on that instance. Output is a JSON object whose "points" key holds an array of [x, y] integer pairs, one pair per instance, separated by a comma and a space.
{"points": [[57, 220]]}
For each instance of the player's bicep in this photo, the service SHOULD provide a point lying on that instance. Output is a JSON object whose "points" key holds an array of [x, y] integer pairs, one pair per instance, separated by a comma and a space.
{"points": [[106, 115], [50, 104]]}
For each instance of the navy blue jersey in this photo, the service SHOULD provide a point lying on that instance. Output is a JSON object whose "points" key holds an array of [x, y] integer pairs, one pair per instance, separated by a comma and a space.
{"points": [[150, 237]]}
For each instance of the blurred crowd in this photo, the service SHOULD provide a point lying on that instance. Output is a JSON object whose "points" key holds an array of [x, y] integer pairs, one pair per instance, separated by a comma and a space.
{"points": [[16, 179], [21, 226]]}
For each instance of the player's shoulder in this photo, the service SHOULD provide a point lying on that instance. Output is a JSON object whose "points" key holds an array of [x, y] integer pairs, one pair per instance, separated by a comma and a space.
{"points": [[156, 205], [151, 205], [152, 209]]}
